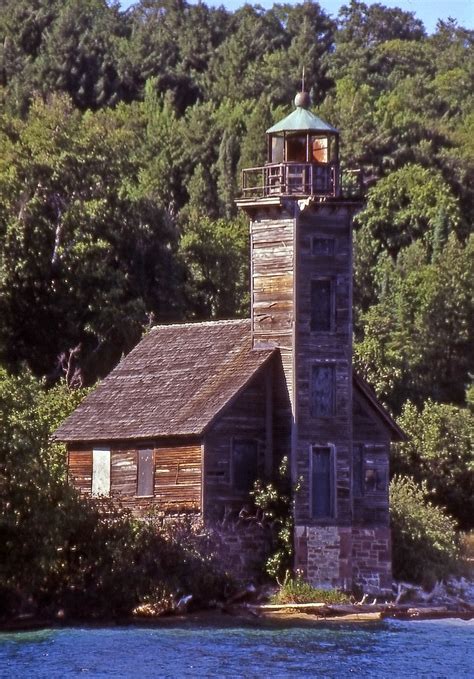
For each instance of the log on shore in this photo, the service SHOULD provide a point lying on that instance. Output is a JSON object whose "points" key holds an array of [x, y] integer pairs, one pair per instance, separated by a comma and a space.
{"points": [[371, 611]]}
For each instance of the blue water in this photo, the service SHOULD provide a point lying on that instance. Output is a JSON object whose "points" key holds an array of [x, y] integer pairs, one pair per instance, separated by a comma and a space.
{"points": [[434, 649]]}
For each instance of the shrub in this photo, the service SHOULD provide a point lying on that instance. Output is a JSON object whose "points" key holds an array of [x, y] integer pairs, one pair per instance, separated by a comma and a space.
{"points": [[438, 450], [276, 503], [297, 591], [425, 547]]}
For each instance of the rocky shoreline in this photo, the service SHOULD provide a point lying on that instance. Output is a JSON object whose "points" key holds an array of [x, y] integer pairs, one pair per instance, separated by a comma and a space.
{"points": [[451, 599], [288, 615]]}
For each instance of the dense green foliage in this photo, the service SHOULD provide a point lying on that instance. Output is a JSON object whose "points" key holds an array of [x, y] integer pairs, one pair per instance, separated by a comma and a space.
{"points": [[122, 135], [439, 452], [424, 539]]}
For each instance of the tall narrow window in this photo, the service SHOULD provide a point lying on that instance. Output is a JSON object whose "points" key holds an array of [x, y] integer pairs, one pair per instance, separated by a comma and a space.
{"points": [[101, 471], [244, 464], [321, 305], [145, 480], [323, 391], [322, 478]]}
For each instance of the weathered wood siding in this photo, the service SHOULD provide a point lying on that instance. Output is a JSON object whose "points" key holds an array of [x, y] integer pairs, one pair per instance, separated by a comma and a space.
{"points": [[243, 419], [178, 474], [370, 507], [177, 471], [80, 469], [330, 348], [272, 284]]}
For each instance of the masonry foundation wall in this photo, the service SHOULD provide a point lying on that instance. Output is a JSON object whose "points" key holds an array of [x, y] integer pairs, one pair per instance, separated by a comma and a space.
{"points": [[371, 559], [241, 549], [345, 557]]}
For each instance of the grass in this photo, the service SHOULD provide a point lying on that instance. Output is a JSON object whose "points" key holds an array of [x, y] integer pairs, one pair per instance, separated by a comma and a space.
{"points": [[297, 591]]}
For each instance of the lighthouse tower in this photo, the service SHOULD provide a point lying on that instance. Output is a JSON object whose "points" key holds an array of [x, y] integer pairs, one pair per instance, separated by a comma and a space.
{"points": [[301, 302]]}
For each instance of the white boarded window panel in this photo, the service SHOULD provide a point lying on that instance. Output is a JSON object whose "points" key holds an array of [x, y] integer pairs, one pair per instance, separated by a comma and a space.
{"points": [[101, 471]]}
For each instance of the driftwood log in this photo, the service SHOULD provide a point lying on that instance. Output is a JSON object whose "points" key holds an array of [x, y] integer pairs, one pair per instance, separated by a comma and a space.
{"points": [[366, 611]]}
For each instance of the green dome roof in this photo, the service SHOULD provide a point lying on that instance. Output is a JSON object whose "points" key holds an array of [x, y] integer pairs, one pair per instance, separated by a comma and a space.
{"points": [[301, 120]]}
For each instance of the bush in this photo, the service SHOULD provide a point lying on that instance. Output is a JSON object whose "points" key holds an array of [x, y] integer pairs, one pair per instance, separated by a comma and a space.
{"points": [[424, 539], [92, 559], [297, 591], [438, 450], [276, 503]]}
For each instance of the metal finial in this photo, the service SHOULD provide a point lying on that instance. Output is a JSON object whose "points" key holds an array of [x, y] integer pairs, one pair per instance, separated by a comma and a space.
{"points": [[302, 99]]}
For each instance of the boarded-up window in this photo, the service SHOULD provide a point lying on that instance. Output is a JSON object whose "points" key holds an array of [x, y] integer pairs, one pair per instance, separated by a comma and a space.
{"points": [[145, 469], [322, 483], [101, 471], [323, 247], [321, 305], [322, 391], [244, 464]]}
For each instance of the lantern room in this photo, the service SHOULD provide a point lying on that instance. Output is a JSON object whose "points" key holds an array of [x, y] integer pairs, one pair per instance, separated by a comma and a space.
{"points": [[302, 158]]}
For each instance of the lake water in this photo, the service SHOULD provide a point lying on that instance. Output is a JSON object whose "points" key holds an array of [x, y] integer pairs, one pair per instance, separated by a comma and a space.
{"points": [[443, 648]]}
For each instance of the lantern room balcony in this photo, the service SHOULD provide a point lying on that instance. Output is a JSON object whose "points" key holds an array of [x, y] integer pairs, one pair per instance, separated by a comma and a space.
{"points": [[294, 179]]}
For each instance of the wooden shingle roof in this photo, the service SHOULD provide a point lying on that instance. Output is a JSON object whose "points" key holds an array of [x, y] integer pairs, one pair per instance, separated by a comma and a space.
{"points": [[175, 382]]}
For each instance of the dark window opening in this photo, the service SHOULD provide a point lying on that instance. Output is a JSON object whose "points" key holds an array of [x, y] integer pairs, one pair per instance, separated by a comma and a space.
{"points": [[375, 480], [322, 483], [244, 462], [323, 247], [145, 480], [321, 305], [369, 471], [322, 391], [296, 149]]}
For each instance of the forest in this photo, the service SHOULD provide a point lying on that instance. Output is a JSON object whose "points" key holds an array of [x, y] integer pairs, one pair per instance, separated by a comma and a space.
{"points": [[122, 137]]}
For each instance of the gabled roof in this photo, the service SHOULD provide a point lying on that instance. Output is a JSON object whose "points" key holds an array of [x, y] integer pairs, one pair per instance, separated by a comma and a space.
{"points": [[175, 382], [301, 120], [368, 393]]}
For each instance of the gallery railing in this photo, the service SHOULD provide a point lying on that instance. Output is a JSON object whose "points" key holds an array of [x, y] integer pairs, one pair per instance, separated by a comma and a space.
{"points": [[291, 179]]}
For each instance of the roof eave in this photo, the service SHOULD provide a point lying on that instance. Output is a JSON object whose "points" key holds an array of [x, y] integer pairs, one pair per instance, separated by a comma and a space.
{"points": [[399, 434], [301, 120]]}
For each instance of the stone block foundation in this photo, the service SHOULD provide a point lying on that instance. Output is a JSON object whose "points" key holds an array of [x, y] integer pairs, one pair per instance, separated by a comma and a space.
{"points": [[345, 557], [241, 549], [372, 559]]}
